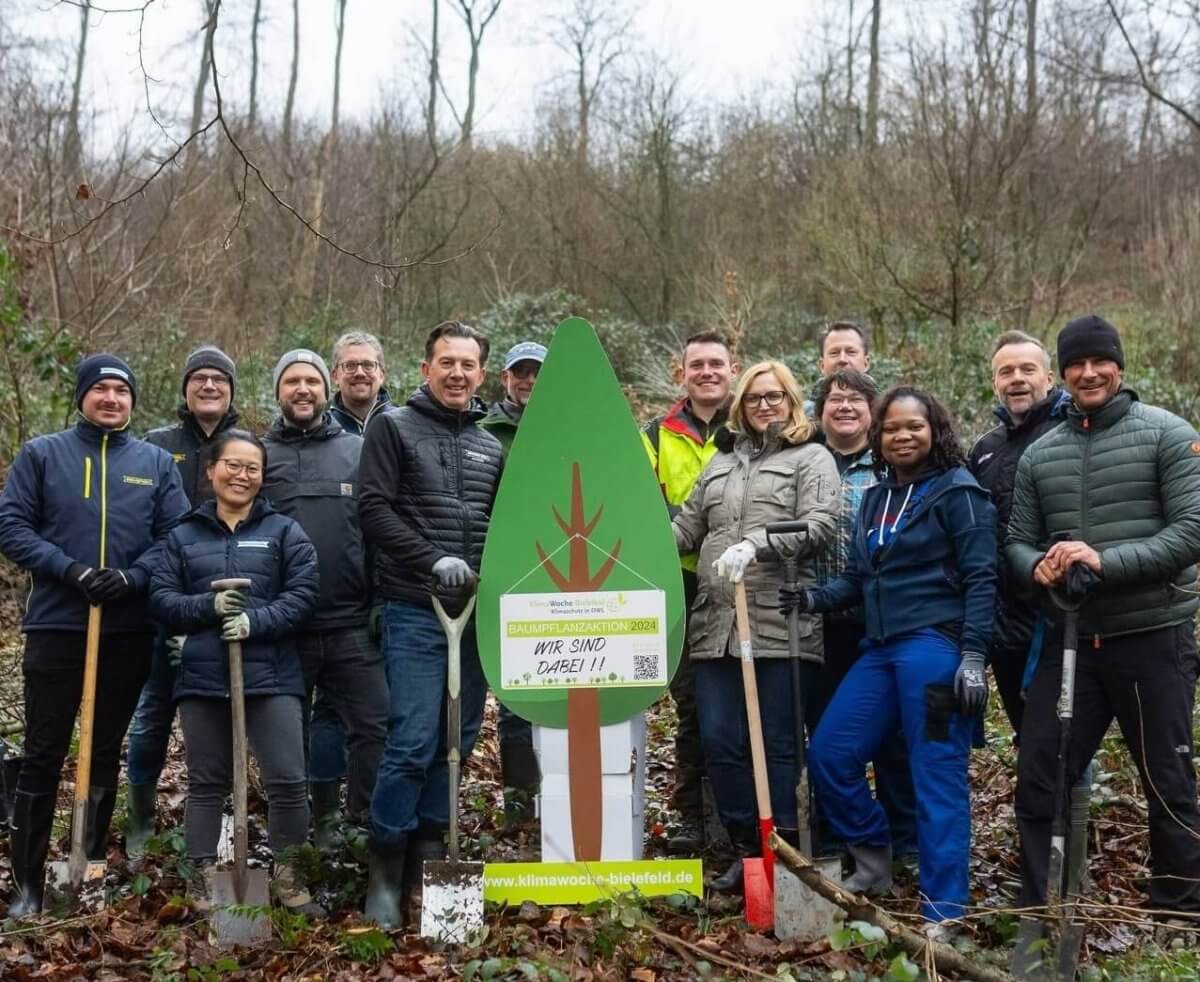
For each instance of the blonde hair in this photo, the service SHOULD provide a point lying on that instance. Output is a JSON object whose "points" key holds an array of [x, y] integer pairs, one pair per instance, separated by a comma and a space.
{"points": [[798, 428]]}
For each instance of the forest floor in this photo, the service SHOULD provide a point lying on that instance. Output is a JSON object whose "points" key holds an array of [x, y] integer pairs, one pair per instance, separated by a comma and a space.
{"points": [[149, 930]]}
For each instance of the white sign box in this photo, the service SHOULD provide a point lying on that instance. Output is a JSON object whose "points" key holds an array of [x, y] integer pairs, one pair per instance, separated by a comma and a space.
{"points": [[604, 639]]}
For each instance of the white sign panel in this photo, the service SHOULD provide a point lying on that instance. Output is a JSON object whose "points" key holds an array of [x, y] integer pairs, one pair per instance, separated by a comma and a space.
{"points": [[603, 639]]}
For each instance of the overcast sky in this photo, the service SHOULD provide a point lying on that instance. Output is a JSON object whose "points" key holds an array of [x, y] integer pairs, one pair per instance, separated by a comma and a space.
{"points": [[723, 48]]}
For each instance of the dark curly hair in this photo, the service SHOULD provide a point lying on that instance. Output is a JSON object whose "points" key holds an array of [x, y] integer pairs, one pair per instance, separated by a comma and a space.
{"points": [[945, 451]]}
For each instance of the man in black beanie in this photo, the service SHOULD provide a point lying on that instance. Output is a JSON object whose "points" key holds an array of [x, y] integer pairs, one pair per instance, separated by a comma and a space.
{"points": [[1111, 496], [209, 381], [82, 512]]}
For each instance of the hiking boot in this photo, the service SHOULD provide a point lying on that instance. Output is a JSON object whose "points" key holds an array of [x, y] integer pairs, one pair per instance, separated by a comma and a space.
{"points": [[872, 870], [688, 837], [326, 813], [745, 844], [385, 887], [141, 801], [290, 892], [199, 887], [33, 814], [101, 804]]}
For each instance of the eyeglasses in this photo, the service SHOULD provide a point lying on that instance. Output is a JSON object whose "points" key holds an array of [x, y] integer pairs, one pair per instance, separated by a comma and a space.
{"points": [[201, 381], [236, 467], [772, 399], [856, 401], [368, 367]]}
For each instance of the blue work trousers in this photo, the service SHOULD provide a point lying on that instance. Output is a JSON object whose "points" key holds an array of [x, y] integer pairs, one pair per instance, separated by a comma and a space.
{"points": [[725, 737], [907, 681], [412, 787], [150, 729]]}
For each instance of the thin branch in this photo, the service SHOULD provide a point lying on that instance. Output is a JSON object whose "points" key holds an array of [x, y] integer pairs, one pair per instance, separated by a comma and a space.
{"points": [[1151, 89]]}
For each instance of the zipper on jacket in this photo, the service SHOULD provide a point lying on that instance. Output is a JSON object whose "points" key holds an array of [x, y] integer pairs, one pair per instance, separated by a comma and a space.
{"points": [[87, 477], [103, 496], [1083, 483]]}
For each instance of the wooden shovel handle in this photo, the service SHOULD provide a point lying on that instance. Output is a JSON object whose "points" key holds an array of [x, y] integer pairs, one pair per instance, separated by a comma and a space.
{"points": [[83, 768], [241, 766], [758, 754]]}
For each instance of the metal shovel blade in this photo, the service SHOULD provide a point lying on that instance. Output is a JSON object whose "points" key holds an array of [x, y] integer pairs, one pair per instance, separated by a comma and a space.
{"points": [[452, 901], [760, 898], [228, 925], [800, 914], [62, 895]]}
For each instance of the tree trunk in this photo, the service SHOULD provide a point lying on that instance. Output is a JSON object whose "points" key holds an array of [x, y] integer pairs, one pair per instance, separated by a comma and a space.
{"points": [[210, 25], [431, 110], [873, 78], [337, 69], [252, 116], [73, 149], [290, 106]]}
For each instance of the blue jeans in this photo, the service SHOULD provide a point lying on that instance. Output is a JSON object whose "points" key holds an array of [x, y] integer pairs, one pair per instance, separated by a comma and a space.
{"points": [[326, 742], [907, 681], [412, 787], [150, 730], [725, 736]]}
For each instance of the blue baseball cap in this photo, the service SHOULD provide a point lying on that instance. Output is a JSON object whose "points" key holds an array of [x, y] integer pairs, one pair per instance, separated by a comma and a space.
{"points": [[525, 351]]}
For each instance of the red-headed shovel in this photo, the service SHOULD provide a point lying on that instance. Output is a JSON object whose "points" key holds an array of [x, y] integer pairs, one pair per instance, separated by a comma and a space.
{"points": [[758, 873]]}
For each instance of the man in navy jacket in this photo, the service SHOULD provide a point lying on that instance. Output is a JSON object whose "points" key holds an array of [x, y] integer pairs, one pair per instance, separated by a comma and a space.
{"points": [[83, 511]]}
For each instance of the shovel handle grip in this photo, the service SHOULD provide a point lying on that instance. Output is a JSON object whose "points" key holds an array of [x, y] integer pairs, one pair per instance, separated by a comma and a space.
{"points": [[758, 754], [233, 583]]}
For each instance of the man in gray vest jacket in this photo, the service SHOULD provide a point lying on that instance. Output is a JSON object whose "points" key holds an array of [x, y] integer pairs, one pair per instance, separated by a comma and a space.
{"points": [[312, 477], [1122, 480]]}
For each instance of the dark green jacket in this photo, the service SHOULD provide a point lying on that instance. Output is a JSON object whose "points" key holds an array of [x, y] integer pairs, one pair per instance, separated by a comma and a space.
{"points": [[501, 421], [1125, 479]]}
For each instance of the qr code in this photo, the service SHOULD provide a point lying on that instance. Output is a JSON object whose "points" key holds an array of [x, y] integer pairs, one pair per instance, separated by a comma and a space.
{"points": [[645, 668]]}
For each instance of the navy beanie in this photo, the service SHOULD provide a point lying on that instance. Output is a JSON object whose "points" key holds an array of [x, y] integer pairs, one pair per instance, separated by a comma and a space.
{"points": [[1090, 336], [100, 368]]}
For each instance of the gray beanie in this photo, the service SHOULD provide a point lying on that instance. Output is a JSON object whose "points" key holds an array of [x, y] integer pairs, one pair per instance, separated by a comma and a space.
{"points": [[210, 356], [309, 358]]}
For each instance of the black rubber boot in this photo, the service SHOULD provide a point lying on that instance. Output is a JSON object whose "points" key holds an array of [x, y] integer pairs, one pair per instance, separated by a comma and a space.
{"points": [[101, 802], [385, 887], [745, 844], [427, 844], [33, 815], [141, 802], [326, 813]]}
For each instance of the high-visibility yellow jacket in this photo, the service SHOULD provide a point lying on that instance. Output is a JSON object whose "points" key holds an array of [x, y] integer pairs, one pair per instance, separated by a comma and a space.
{"points": [[679, 446]]}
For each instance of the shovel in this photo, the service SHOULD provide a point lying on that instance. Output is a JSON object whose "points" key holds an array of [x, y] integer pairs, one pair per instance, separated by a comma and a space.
{"points": [[80, 881], [452, 891], [758, 878], [800, 914], [232, 890]]}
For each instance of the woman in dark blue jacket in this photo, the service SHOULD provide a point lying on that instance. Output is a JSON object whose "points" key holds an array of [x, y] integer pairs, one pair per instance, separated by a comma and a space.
{"points": [[923, 564], [239, 534]]}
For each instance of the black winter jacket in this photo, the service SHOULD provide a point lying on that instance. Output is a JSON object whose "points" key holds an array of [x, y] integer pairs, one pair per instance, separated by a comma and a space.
{"points": [[187, 442], [271, 550], [351, 423], [428, 476], [993, 460], [312, 477], [94, 496]]}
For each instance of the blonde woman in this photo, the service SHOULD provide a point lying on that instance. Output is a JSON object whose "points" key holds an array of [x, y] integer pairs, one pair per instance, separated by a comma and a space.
{"points": [[768, 468]]}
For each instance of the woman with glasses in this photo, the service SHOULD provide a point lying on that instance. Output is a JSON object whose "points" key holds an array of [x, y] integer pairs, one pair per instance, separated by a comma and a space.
{"points": [[239, 534], [768, 468]]}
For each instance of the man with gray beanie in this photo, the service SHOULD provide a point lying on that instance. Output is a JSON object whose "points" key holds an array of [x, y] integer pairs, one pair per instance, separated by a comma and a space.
{"points": [[1106, 514], [208, 384], [312, 477], [83, 512]]}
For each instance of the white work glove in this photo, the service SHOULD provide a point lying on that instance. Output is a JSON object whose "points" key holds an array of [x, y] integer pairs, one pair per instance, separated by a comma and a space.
{"points": [[732, 563], [235, 628], [452, 572], [227, 602]]}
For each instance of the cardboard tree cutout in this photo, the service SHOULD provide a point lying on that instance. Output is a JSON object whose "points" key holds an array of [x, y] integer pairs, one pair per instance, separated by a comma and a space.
{"points": [[580, 615]]}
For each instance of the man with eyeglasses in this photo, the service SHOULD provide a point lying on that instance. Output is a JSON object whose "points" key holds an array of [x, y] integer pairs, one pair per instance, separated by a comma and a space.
{"points": [[312, 477], [209, 380], [518, 762], [359, 373], [84, 512]]}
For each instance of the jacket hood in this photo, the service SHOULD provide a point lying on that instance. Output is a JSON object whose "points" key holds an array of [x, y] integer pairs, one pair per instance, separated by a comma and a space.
{"points": [[680, 419], [285, 432], [382, 401], [504, 413], [423, 401], [943, 483], [1054, 406]]}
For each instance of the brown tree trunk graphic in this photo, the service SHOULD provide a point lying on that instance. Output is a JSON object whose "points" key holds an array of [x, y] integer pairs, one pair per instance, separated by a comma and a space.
{"points": [[583, 704]]}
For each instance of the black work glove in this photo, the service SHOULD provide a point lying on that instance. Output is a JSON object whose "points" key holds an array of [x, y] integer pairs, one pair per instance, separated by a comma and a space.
{"points": [[113, 585], [83, 578], [970, 683], [798, 599], [1081, 580], [375, 625]]}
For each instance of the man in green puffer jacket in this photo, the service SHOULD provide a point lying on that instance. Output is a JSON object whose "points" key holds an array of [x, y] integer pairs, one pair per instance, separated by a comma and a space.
{"points": [[1122, 480]]}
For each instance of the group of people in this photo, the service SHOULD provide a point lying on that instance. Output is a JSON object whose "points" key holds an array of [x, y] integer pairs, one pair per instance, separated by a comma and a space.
{"points": [[920, 565]]}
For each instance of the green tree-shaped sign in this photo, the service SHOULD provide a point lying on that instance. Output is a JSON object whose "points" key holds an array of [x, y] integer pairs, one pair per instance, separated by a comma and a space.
{"points": [[580, 616]]}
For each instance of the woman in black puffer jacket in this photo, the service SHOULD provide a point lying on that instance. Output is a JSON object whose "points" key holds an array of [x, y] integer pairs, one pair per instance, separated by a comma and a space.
{"points": [[239, 534]]}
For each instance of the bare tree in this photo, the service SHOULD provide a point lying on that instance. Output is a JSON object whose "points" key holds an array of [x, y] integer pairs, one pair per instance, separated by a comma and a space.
{"points": [[73, 148], [476, 15], [593, 35], [255, 21], [289, 107], [873, 77], [198, 93], [434, 80]]}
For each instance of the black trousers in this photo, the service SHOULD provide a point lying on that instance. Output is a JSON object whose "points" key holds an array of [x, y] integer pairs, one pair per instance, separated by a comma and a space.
{"points": [[1008, 668], [688, 794], [1147, 682], [53, 668]]}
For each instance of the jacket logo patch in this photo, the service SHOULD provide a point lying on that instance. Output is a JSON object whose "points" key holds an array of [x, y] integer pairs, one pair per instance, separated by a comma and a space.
{"points": [[179, 457], [143, 482], [476, 456], [989, 456], [254, 543], [348, 490]]}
